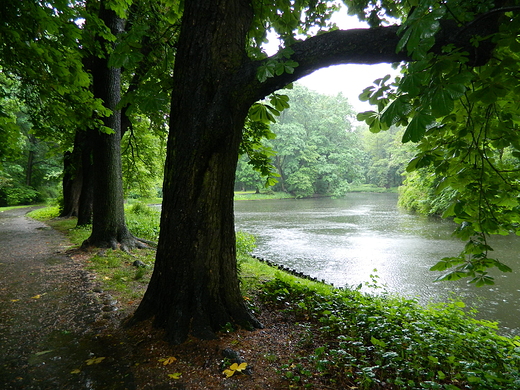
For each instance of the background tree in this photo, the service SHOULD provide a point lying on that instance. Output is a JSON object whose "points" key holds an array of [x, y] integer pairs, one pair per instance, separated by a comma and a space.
{"points": [[57, 65], [387, 157], [318, 150], [136, 52]]}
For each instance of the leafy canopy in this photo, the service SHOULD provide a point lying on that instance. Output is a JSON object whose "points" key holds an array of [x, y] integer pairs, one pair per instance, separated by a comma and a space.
{"points": [[465, 121]]}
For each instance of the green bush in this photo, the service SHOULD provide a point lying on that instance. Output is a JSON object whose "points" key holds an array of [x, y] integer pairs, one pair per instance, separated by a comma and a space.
{"points": [[20, 195], [393, 343], [45, 213], [246, 244], [143, 221]]}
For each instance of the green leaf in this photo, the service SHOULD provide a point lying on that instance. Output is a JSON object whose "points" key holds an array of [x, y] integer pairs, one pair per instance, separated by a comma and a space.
{"points": [[260, 113], [396, 111], [280, 102], [452, 276], [447, 263], [442, 103], [417, 127], [413, 83], [377, 342], [372, 119], [502, 267], [266, 71]]}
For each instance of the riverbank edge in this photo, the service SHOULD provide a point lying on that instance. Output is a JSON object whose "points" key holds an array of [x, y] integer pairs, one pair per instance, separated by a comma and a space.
{"points": [[355, 339]]}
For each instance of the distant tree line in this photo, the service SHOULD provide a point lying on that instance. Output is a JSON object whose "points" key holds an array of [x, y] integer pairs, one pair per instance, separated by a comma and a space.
{"points": [[318, 148]]}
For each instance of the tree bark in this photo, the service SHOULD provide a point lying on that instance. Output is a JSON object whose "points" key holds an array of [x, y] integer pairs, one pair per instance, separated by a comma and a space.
{"points": [[86, 199], [31, 139], [77, 183]]}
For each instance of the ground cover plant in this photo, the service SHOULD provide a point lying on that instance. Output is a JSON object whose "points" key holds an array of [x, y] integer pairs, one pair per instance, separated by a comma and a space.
{"points": [[326, 338], [385, 342]]}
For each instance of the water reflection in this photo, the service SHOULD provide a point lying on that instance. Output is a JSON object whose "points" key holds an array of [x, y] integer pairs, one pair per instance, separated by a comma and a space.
{"points": [[343, 240]]}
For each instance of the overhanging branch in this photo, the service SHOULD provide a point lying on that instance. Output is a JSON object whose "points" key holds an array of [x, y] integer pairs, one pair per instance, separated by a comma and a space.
{"points": [[378, 45]]}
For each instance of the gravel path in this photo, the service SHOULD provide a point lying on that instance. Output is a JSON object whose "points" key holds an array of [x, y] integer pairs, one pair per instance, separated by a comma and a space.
{"points": [[53, 320]]}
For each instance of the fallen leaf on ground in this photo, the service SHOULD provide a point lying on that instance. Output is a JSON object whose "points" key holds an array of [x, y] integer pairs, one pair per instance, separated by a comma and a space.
{"points": [[94, 360], [175, 375], [75, 371], [43, 352], [234, 368], [169, 360]]}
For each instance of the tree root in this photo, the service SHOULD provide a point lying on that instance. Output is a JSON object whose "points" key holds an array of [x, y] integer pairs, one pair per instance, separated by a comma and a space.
{"points": [[126, 244]]}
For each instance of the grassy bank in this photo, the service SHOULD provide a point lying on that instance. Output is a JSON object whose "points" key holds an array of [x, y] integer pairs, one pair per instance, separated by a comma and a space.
{"points": [[371, 188], [252, 195], [345, 339]]}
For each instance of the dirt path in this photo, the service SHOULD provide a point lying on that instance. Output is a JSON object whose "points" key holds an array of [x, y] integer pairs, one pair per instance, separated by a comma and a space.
{"points": [[52, 315]]}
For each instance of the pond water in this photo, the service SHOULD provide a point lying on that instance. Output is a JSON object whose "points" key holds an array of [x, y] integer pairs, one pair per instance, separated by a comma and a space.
{"points": [[342, 241]]}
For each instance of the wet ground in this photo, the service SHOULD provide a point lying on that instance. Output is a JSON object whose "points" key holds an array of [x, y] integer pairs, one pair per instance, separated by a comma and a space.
{"points": [[55, 324], [60, 331]]}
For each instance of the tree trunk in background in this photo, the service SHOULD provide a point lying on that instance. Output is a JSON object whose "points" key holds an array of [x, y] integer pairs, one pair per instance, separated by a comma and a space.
{"points": [[108, 220], [86, 199], [72, 184], [30, 160], [73, 179]]}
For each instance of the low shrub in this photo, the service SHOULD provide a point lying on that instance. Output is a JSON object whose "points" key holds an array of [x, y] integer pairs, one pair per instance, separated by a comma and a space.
{"points": [[45, 213], [393, 343], [20, 195]]}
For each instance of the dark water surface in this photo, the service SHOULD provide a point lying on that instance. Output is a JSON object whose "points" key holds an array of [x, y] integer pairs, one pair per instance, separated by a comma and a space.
{"points": [[343, 240]]}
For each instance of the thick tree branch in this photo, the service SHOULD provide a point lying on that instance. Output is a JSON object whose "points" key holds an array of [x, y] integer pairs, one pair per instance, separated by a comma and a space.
{"points": [[356, 46], [377, 45]]}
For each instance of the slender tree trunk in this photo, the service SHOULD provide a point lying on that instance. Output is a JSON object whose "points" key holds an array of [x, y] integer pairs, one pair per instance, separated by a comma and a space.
{"points": [[71, 184], [194, 287], [30, 160], [75, 183], [108, 220], [86, 199]]}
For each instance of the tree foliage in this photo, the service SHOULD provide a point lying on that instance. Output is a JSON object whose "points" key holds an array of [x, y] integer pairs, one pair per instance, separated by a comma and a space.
{"points": [[465, 121], [317, 150]]}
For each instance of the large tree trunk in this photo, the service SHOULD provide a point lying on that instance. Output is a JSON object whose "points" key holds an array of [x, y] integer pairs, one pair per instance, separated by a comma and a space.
{"points": [[194, 287], [108, 220]]}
